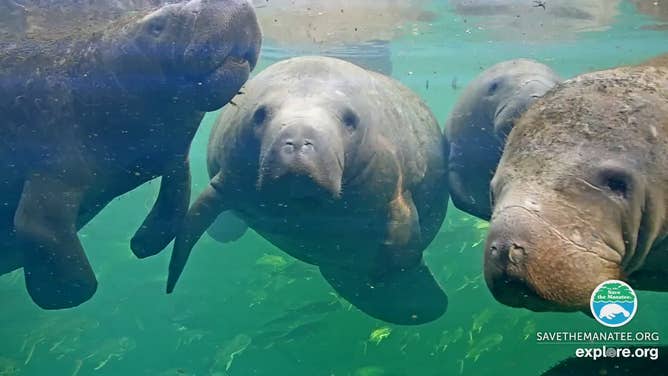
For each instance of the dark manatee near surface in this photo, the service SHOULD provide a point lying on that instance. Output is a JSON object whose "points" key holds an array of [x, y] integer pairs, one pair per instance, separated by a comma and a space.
{"points": [[91, 111], [340, 167], [480, 122], [580, 192]]}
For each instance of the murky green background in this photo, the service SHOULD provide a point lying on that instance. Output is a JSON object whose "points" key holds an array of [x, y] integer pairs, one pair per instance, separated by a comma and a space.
{"points": [[248, 309]]}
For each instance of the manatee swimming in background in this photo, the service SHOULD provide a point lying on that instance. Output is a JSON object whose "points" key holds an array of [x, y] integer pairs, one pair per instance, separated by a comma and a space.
{"points": [[340, 167], [90, 111], [579, 196], [358, 31], [479, 123], [527, 20]]}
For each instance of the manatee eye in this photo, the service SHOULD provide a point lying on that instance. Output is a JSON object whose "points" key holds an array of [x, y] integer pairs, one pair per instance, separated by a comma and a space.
{"points": [[493, 87], [157, 26], [350, 120], [260, 115], [617, 182]]}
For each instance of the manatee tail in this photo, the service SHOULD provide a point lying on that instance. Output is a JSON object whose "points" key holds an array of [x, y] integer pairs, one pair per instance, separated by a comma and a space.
{"points": [[409, 297], [227, 228], [200, 216]]}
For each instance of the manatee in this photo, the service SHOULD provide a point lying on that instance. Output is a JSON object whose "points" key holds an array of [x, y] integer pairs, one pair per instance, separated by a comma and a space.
{"points": [[579, 194], [528, 20], [609, 311], [340, 167], [91, 111], [359, 31], [480, 122]]}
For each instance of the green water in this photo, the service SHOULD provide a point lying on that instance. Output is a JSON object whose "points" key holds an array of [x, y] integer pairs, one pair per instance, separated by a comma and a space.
{"points": [[248, 309]]}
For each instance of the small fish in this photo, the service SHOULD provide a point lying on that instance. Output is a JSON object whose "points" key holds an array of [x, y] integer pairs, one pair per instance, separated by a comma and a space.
{"points": [[448, 338], [480, 320], [274, 261], [380, 334], [484, 345], [228, 352], [474, 282], [481, 225], [529, 330], [454, 84]]}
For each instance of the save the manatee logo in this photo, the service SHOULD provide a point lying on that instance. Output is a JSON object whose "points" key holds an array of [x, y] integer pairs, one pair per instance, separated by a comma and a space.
{"points": [[613, 303]]}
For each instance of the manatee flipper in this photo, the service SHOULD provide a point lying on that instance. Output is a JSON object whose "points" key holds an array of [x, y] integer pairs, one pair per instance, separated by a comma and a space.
{"points": [[227, 228], [402, 244], [57, 272], [160, 226], [462, 178], [200, 216], [408, 297]]}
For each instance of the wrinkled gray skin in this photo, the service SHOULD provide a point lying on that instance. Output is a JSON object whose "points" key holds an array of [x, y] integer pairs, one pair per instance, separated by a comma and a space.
{"points": [[580, 192], [480, 122], [340, 167], [88, 114]]}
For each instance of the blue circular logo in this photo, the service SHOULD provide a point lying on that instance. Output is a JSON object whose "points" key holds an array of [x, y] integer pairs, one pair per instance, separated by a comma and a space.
{"points": [[613, 303]]}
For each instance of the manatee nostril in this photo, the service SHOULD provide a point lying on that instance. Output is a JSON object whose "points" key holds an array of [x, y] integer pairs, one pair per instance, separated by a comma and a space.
{"points": [[494, 251], [288, 148], [516, 254]]}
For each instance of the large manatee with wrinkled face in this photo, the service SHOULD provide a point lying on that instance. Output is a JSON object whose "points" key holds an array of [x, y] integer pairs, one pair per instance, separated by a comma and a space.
{"points": [[480, 122], [340, 167], [90, 110], [580, 195]]}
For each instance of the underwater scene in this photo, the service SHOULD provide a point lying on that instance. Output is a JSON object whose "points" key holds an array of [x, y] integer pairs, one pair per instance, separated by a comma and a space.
{"points": [[325, 140]]}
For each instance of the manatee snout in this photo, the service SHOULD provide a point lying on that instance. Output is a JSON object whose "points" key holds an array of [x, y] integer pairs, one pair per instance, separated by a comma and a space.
{"points": [[535, 262], [207, 48], [304, 160], [224, 32]]}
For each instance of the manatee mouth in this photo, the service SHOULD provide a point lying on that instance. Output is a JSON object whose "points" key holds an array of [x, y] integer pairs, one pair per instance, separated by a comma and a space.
{"points": [[217, 88]]}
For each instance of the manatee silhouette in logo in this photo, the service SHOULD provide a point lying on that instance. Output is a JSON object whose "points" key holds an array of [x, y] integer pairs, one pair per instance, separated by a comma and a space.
{"points": [[609, 311]]}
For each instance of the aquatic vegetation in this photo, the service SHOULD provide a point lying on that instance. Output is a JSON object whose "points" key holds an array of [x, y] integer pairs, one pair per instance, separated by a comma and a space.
{"points": [[378, 335]]}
